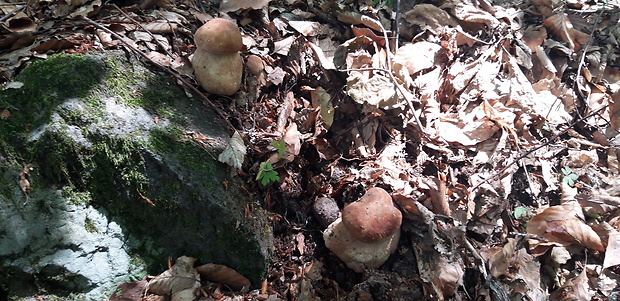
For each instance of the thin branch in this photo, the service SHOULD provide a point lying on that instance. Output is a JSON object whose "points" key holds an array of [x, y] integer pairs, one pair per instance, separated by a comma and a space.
{"points": [[12, 13], [147, 31], [527, 153]]}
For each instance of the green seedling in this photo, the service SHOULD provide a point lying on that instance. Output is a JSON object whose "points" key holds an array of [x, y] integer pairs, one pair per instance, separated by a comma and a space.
{"points": [[280, 146], [521, 212], [569, 177], [266, 174]]}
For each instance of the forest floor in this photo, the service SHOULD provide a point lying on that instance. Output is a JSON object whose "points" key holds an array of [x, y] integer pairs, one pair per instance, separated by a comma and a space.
{"points": [[492, 125]]}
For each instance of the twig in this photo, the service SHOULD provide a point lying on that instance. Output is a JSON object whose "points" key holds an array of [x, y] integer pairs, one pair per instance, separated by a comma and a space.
{"points": [[143, 28], [570, 126], [585, 50], [12, 13], [166, 69]]}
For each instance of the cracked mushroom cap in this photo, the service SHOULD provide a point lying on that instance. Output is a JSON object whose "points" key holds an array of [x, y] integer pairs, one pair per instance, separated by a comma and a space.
{"points": [[373, 217], [219, 36]]}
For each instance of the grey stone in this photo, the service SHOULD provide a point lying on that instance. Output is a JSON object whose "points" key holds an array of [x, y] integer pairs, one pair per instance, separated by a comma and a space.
{"points": [[117, 184]]}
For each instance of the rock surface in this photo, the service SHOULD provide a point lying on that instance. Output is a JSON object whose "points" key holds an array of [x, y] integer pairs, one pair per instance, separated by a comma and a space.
{"points": [[118, 182]]}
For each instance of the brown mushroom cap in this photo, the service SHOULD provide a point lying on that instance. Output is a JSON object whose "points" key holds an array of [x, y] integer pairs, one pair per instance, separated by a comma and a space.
{"points": [[219, 36], [373, 217]]}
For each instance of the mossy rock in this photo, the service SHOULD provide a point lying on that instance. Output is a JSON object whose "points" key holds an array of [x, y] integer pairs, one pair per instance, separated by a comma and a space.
{"points": [[108, 132]]}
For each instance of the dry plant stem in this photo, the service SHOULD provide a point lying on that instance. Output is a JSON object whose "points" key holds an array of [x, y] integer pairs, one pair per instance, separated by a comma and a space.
{"points": [[12, 13], [395, 82], [147, 31], [527, 153], [168, 70], [584, 51], [470, 247]]}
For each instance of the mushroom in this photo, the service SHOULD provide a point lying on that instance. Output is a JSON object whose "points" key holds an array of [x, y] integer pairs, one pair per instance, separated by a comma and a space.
{"points": [[368, 231], [217, 63]]}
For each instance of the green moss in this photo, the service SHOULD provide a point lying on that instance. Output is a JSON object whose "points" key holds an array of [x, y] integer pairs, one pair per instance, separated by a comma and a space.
{"points": [[90, 226], [111, 171], [46, 84], [76, 197]]}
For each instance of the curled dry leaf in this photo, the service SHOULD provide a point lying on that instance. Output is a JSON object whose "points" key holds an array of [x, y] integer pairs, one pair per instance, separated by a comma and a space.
{"points": [[561, 26], [417, 56], [563, 225], [234, 154], [223, 274], [500, 261], [431, 17], [129, 291], [180, 279], [236, 5]]}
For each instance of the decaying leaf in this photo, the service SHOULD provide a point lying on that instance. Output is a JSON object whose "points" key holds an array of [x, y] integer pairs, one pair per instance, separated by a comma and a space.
{"points": [[417, 56], [564, 225], [222, 274], [431, 17], [236, 5], [180, 281], [376, 90], [612, 254], [560, 25], [129, 291], [322, 99], [576, 288], [500, 261], [234, 154]]}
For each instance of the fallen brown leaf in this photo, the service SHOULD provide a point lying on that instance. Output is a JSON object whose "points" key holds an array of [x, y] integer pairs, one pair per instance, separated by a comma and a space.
{"points": [[564, 224]]}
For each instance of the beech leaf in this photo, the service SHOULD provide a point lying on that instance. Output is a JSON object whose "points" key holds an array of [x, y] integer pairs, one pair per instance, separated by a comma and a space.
{"points": [[234, 154], [564, 225]]}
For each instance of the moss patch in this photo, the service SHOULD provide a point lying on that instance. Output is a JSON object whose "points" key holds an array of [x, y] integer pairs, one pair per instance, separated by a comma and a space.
{"points": [[164, 189], [46, 84]]}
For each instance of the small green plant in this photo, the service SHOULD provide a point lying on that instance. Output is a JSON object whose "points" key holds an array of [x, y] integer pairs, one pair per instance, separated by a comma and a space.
{"points": [[280, 146], [521, 212], [266, 174], [569, 177]]}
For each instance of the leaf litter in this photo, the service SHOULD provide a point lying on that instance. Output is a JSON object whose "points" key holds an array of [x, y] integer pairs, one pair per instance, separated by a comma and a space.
{"points": [[493, 127]]}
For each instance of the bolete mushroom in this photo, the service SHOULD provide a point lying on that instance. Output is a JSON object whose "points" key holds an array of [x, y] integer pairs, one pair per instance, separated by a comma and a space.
{"points": [[368, 231], [217, 63]]}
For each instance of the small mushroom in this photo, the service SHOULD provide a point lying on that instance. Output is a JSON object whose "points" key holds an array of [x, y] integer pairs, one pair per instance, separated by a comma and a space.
{"points": [[217, 63], [368, 231]]}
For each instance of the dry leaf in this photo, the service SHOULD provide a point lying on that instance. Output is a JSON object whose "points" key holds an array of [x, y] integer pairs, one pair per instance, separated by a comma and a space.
{"points": [[321, 99], [222, 274], [21, 22], [612, 253], [431, 17], [418, 56], [234, 154], [306, 28], [236, 5], [500, 261], [561, 26], [564, 225], [129, 291], [283, 46], [180, 277], [576, 288]]}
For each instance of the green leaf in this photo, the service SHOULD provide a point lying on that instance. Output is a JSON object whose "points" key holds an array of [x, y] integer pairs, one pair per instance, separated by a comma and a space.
{"points": [[269, 176], [266, 173], [521, 212], [280, 146], [568, 180], [566, 170]]}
